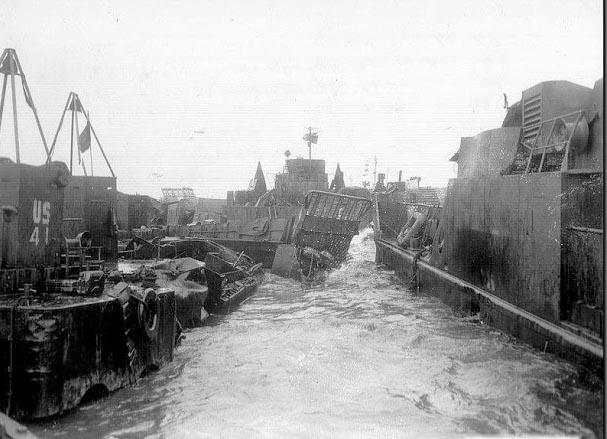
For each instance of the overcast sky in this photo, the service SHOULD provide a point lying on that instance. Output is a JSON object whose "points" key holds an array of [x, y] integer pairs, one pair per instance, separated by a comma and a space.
{"points": [[194, 93]]}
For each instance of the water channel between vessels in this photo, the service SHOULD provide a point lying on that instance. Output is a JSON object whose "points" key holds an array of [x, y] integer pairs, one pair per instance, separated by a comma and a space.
{"points": [[358, 356]]}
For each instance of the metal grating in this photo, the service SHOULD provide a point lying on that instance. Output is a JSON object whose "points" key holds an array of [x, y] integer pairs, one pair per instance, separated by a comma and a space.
{"points": [[532, 118]]}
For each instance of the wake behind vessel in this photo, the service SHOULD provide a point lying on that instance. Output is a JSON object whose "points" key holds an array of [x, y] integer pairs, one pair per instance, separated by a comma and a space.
{"points": [[519, 237]]}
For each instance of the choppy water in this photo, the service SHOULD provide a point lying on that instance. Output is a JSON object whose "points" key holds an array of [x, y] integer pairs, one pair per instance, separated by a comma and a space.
{"points": [[357, 357]]}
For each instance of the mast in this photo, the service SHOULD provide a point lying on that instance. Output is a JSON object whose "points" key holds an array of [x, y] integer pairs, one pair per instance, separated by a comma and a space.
{"points": [[10, 66], [374, 170], [74, 104], [310, 137], [310, 151]]}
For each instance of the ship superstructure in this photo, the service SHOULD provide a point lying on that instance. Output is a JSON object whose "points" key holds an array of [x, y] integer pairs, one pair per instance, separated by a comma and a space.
{"points": [[520, 235]]}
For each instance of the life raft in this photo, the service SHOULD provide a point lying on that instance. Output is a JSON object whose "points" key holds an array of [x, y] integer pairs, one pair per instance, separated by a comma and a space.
{"points": [[147, 313]]}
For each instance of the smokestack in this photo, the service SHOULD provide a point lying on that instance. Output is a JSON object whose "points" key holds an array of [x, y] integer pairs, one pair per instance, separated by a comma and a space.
{"points": [[400, 175]]}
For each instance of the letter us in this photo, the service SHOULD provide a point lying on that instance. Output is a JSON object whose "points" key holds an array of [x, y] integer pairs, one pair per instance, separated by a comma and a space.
{"points": [[41, 214]]}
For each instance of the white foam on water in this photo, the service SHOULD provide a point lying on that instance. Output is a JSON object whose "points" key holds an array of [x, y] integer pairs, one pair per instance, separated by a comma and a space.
{"points": [[359, 356]]}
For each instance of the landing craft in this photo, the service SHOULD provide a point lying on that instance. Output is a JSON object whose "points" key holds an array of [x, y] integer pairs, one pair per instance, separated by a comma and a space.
{"points": [[207, 278], [297, 229], [66, 329], [519, 238]]}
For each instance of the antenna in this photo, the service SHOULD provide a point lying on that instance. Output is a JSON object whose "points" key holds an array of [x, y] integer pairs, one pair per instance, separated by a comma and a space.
{"points": [[10, 66], [374, 170], [312, 138]]}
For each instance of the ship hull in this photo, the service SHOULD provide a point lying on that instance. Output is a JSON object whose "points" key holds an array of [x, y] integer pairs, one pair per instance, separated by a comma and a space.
{"points": [[259, 251], [463, 296], [523, 251], [54, 353]]}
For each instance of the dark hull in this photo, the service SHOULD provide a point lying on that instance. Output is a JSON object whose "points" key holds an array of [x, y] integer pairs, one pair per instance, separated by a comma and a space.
{"points": [[579, 348], [61, 349], [189, 308], [229, 276], [170, 248], [259, 251], [519, 238], [229, 284], [525, 251], [228, 300]]}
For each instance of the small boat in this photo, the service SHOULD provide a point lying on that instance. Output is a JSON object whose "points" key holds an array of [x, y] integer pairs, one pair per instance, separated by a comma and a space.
{"points": [[58, 348], [207, 277], [230, 283]]}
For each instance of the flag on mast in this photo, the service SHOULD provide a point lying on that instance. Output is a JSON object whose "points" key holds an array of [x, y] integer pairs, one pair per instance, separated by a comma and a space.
{"points": [[84, 139], [75, 105]]}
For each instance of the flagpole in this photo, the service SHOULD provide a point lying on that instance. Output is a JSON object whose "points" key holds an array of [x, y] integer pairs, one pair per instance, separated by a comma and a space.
{"points": [[80, 155], [26, 89], [90, 147], [72, 143], [2, 99], [77, 129], [91, 156], [100, 147], [310, 152], [16, 124], [50, 154]]}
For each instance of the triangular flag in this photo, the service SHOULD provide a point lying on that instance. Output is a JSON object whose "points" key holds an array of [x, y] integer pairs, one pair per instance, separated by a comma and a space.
{"points": [[84, 139], [75, 105], [5, 68]]}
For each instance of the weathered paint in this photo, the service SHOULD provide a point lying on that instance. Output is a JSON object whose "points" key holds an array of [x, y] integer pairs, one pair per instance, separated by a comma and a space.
{"points": [[256, 231], [141, 211], [592, 156], [90, 204], [69, 345], [13, 279], [259, 251], [582, 271], [229, 283], [487, 153], [32, 236], [244, 214], [122, 211], [503, 234], [293, 185], [527, 249], [493, 310], [559, 97]]}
